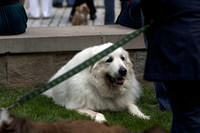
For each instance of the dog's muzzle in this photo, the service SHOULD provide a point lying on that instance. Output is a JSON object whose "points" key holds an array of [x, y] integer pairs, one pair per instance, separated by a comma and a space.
{"points": [[119, 80], [122, 71]]}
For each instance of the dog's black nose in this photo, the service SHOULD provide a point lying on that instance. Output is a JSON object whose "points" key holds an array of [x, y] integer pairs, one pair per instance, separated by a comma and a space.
{"points": [[122, 71]]}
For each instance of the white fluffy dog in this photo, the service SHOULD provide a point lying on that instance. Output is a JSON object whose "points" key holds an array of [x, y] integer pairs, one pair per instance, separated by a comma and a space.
{"points": [[109, 84]]}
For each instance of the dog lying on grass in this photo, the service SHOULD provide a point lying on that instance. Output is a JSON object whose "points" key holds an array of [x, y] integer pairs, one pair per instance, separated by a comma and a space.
{"points": [[109, 84], [13, 124]]}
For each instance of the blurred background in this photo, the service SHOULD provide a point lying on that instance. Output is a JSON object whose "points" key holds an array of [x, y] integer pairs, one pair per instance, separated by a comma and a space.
{"points": [[59, 14]]}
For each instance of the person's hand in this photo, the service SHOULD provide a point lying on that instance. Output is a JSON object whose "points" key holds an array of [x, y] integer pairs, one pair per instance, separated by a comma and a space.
{"points": [[22, 1]]}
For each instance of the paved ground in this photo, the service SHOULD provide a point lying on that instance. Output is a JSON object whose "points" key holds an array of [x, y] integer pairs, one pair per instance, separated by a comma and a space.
{"points": [[61, 15]]}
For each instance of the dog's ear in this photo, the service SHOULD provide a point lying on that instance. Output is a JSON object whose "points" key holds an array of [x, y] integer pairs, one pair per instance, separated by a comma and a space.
{"points": [[128, 59], [86, 9], [94, 51], [92, 67]]}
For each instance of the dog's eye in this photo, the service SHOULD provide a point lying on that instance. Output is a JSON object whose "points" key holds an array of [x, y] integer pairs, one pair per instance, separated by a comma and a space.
{"points": [[123, 58], [110, 59]]}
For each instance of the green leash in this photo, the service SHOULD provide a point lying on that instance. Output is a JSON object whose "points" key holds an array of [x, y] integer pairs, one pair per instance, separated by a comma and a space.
{"points": [[78, 68]]}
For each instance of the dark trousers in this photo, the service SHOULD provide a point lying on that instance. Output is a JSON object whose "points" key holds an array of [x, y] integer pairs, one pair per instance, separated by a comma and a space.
{"points": [[162, 96], [90, 4], [109, 11], [185, 103]]}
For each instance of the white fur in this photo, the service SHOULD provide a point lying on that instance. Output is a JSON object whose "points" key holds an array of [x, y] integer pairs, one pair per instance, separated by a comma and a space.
{"points": [[4, 117], [89, 90]]}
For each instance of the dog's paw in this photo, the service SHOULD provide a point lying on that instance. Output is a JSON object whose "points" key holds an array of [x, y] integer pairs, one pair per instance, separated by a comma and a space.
{"points": [[100, 118], [135, 111], [145, 117], [142, 116]]}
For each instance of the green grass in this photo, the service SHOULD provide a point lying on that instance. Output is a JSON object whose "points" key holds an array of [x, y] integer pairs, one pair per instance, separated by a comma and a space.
{"points": [[43, 109]]}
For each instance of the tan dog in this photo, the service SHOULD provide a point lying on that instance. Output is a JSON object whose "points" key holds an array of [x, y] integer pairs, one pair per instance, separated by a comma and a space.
{"points": [[155, 129], [13, 124], [110, 84], [81, 15]]}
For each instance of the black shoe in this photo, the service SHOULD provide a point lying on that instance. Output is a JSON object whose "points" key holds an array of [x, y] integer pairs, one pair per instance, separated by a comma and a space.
{"points": [[162, 108], [57, 5], [93, 17]]}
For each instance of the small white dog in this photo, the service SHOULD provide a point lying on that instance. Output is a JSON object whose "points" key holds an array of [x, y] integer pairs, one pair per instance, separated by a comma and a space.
{"points": [[109, 84]]}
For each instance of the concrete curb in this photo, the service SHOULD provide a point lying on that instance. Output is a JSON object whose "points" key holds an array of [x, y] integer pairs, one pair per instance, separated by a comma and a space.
{"points": [[74, 38]]}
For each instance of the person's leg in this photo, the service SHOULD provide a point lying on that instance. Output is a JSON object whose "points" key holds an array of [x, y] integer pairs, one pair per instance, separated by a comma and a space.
{"points": [[46, 8], [58, 3], [70, 2], [92, 8], [162, 96], [34, 9], [109, 11], [185, 103]]}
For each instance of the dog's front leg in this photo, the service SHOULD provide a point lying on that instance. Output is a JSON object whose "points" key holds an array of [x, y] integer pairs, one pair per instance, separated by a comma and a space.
{"points": [[98, 117], [134, 110]]}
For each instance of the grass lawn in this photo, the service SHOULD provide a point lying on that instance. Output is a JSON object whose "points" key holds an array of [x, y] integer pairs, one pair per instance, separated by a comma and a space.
{"points": [[43, 109]]}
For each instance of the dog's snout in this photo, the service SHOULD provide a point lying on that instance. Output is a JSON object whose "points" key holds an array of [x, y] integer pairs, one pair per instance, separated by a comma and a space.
{"points": [[122, 71]]}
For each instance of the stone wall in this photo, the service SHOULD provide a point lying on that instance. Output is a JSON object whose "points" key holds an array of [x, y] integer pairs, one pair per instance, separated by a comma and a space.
{"points": [[32, 70]]}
